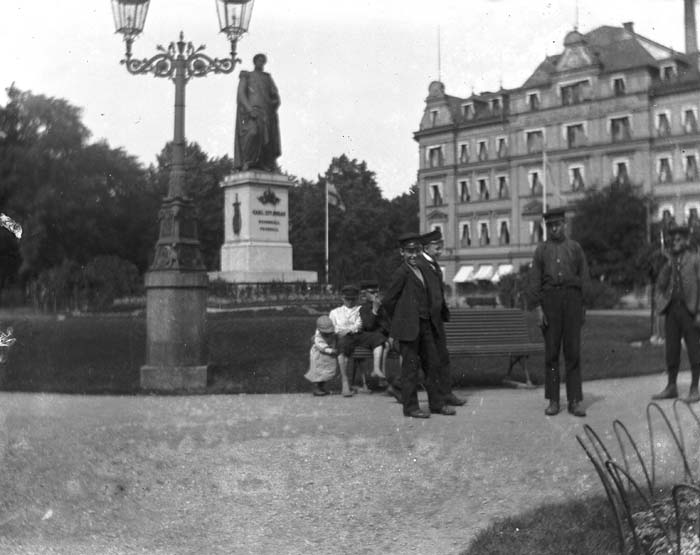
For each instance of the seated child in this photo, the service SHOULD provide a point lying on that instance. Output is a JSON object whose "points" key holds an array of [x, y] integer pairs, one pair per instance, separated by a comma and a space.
{"points": [[323, 357]]}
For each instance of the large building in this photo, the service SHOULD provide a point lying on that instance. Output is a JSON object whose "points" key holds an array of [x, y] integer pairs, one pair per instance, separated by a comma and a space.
{"points": [[612, 106]]}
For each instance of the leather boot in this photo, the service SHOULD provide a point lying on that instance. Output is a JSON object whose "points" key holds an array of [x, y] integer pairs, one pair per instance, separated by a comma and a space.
{"points": [[552, 409], [576, 409]]}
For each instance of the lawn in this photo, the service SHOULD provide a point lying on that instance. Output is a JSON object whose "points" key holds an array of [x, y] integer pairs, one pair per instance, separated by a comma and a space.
{"points": [[259, 352]]}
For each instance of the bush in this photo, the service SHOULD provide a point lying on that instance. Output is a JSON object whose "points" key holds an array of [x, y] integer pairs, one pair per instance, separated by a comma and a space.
{"points": [[107, 278], [601, 295]]}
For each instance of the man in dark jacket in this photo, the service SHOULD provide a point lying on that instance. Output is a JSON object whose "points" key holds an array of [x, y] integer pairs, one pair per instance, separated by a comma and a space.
{"points": [[432, 250], [559, 275], [678, 286], [414, 324]]}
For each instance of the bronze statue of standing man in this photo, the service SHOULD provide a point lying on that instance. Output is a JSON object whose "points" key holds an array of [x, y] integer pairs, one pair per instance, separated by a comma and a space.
{"points": [[257, 138]]}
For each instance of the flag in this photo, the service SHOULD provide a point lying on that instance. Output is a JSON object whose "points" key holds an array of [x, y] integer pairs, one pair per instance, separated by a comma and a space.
{"points": [[334, 197]]}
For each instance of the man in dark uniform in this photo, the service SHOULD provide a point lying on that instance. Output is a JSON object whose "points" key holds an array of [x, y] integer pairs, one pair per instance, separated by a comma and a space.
{"points": [[432, 250], [678, 285], [413, 324], [557, 279]]}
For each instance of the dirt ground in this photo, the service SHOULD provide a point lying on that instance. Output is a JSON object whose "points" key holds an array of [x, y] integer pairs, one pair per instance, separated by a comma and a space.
{"points": [[288, 474]]}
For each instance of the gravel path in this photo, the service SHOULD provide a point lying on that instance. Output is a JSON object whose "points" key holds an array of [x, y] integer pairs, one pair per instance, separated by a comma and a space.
{"points": [[287, 474]]}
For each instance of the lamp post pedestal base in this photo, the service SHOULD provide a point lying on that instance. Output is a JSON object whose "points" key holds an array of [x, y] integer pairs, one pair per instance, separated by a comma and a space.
{"points": [[176, 304]]}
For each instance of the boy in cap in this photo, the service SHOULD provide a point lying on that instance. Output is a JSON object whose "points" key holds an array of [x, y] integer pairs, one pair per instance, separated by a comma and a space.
{"points": [[679, 289], [413, 324], [432, 250], [348, 326], [559, 275]]}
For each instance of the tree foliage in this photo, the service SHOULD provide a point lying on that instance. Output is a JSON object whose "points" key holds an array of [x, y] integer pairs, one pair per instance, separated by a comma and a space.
{"points": [[612, 226]]}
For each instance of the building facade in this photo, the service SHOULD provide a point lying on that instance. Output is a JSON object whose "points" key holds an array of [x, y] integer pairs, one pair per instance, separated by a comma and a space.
{"points": [[613, 106]]}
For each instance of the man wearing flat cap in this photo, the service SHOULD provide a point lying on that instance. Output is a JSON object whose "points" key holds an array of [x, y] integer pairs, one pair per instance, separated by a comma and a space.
{"points": [[414, 324], [432, 250], [558, 277], [348, 327], [678, 285]]}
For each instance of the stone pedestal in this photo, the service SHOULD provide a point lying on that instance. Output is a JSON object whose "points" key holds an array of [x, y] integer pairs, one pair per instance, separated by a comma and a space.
{"points": [[256, 230], [176, 303]]}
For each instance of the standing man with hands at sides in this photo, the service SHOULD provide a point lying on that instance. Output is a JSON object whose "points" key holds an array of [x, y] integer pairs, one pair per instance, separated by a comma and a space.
{"points": [[413, 324], [432, 250], [558, 277], [678, 285]]}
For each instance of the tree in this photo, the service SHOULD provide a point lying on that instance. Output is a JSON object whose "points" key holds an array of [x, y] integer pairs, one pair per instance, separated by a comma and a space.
{"points": [[612, 226], [202, 184]]}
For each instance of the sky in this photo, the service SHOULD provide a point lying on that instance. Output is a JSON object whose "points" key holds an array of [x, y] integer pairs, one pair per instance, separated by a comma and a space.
{"points": [[353, 76]]}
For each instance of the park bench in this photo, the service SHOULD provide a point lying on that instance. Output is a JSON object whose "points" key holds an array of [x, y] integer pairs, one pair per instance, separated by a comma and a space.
{"points": [[492, 333], [480, 333]]}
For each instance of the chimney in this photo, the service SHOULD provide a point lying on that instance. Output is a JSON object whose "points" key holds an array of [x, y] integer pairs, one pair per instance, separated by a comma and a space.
{"points": [[629, 26], [691, 33]]}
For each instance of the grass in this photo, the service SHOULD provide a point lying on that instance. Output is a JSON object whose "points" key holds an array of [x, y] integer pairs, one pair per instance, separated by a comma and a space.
{"points": [[260, 352], [582, 527]]}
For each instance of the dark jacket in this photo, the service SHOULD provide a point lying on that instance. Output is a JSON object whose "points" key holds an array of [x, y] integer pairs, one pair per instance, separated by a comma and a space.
{"points": [[690, 283], [436, 286], [403, 300], [374, 322]]}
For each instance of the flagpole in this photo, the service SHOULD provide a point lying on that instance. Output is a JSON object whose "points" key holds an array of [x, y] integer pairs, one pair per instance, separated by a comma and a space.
{"points": [[326, 232]]}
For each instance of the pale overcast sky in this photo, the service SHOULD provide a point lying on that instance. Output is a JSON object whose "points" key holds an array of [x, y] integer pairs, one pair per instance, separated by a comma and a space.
{"points": [[353, 76]]}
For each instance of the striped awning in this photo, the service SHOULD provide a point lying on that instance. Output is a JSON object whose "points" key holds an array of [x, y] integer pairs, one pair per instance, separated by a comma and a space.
{"points": [[485, 272], [464, 274], [503, 270]]}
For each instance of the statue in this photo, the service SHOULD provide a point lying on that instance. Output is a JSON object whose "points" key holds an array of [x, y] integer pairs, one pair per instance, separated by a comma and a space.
{"points": [[257, 136]]}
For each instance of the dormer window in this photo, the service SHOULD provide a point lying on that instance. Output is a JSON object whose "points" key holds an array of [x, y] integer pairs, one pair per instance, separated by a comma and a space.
{"points": [[668, 72], [618, 86], [433, 117], [496, 106], [533, 101], [468, 111]]}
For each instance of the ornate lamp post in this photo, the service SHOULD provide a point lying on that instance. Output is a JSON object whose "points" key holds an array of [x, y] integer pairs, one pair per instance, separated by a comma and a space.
{"points": [[176, 284]]}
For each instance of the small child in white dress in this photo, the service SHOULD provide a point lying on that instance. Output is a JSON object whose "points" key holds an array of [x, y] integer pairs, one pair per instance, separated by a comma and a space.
{"points": [[323, 357]]}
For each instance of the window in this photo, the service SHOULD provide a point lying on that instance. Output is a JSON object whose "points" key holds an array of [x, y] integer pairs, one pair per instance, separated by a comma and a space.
{"points": [[621, 172], [468, 111], [620, 129], [576, 178], [435, 157], [663, 124], [618, 86], [503, 233], [575, 135], [533, 178], [533, 101], [502, 148], [502, 186], [484, 238], [483, 189], [483, 153], [496, 106], [536, 232], [464, 193], [465, 239], [574, 93], [463, 153], [534, 141], [664, 170], [433, 117], [690, 120], [690, 161], [668, 72], [436, 194]]}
